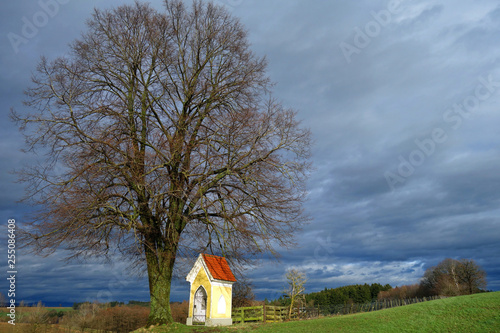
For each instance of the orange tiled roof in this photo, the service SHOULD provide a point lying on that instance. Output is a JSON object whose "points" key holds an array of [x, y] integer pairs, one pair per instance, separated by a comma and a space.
{"points": [[218, 267]]}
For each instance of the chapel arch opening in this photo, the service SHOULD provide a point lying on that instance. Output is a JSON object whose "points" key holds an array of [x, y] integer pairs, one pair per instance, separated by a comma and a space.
{"points": [[200, 305]]}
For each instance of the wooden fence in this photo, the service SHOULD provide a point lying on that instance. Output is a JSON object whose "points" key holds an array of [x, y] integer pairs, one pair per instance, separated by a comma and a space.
{"points": [[269, 313], [342, 309]]}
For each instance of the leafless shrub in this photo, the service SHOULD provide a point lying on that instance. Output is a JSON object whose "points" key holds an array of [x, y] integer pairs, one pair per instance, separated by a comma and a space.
{"points": [[403, 292], [180, 311], [36, 318], [243, 294]]}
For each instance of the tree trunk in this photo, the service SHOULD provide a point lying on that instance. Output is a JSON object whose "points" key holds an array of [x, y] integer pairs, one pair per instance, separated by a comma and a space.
{"points": [[291, 307], [160, 265]]}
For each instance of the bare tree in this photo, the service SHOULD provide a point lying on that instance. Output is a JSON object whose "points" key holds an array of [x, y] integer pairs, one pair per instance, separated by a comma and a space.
{"points": [[453, 277], [472, 276], [443, 278], [295, 287], [161, 140], [242, 293]]}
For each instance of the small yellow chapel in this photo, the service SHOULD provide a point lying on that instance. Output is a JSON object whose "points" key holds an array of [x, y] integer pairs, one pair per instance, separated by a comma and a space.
{"points": [[211, 291]]}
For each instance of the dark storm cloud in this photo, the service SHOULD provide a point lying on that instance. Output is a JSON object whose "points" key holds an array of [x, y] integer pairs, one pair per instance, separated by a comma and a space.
{"points": [[366, 115]]}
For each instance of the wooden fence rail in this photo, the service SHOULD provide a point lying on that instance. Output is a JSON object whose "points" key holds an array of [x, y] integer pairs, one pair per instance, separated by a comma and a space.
{"points": [[269, 313], [342, 309]]}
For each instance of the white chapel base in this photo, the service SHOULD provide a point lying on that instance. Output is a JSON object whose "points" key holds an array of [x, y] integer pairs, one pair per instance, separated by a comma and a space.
{"points": [[219, 322], [213, 321]]}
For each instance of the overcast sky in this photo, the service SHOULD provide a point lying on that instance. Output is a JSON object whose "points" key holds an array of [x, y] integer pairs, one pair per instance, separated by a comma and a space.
{"points": [[402, 98]]}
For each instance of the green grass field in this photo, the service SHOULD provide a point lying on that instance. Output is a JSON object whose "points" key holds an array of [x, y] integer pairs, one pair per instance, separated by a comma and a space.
{"points": [[475, 313]]}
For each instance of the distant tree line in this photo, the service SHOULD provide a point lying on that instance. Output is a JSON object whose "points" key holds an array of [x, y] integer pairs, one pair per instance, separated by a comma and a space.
{"points": [[112, 304], [343, 295], [139, 303], [348, 294], [450, 277]]}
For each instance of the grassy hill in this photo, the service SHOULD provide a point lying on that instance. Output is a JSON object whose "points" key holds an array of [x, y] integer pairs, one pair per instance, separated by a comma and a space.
{"points": [[474, 313]]}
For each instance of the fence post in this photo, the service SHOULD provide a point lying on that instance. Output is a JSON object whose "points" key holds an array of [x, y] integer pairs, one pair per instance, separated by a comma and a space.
{"points": [[242, 316], [264, 313]]}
